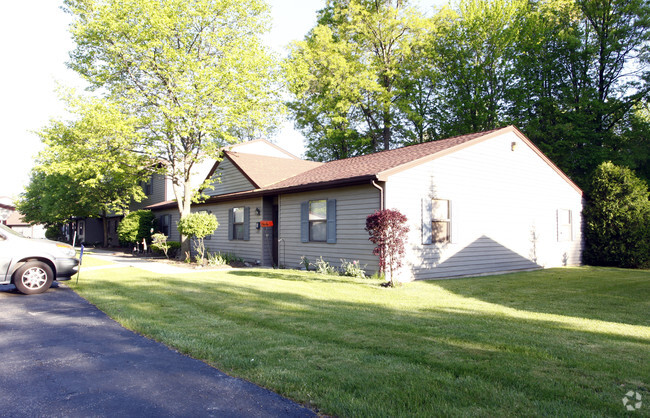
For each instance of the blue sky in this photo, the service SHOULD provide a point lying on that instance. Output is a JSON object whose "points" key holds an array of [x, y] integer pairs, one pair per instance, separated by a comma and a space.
{"points": [[35, 45]]}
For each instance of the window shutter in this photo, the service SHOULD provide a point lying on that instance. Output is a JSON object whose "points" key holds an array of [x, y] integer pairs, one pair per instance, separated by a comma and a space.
{"points": [[304, 222], [230, 228], [331, 221], [452, 224], [247, 219], [427, 234]]}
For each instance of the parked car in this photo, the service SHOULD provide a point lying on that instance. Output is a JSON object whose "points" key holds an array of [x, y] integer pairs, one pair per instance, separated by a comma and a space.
{"points": [[32, 264]]}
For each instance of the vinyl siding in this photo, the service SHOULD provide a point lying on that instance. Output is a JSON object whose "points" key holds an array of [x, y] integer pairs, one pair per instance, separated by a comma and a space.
{"points": [[228, 179], [251, 250], [504, 211], [173, 229], [159, 193], [353, 205]]}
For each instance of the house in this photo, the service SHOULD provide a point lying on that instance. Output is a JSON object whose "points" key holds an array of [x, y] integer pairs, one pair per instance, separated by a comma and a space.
{"points": [[13, 219], [476, 204]]}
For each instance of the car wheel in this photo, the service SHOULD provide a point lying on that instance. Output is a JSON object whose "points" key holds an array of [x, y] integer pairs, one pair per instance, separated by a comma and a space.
{"points": [[33, 277]]}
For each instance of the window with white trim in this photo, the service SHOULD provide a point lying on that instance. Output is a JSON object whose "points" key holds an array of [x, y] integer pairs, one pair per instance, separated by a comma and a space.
{"points": [[318, 220], [440, 221], [238, 223], [564, 225]]}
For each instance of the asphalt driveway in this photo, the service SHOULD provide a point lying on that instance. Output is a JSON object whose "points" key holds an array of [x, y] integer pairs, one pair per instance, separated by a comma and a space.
{"points": [[61, 356]]}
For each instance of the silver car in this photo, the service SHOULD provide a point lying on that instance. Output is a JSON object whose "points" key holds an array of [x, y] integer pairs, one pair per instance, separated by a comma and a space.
{"points": [[32, 264]]}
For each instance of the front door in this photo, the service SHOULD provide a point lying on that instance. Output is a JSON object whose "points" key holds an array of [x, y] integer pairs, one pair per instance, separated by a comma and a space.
{"points": [[275, 236]]}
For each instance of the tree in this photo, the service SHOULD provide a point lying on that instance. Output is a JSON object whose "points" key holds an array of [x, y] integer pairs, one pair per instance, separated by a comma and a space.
{"points": [[388, 229], [194, 73], [198, 225], [52, 199], [345, 75], [583, 69], [472, 55], [95, 153], [136, 226], [617, 219]]}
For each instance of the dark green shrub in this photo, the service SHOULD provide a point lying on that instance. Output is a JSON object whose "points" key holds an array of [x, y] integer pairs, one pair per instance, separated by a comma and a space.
{"points": [[617, 219], [54, 233], [135, 226]]}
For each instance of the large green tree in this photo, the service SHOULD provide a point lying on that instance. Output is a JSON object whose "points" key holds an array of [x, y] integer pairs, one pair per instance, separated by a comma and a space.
{"points": [[194, 73], [583, 68], [345, 77], [92, 166]]}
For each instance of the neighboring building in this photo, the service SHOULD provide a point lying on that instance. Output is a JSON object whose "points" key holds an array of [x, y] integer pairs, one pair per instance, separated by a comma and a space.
{"points": [[9, 216], [477, 204]]}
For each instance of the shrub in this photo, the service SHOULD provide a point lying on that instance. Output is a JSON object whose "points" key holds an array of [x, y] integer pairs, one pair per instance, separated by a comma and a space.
{"points": [[323, 267], [159, 243], [305, 262], [617, 219], [53, 232], [353, 269], [136, 226], [388, 229], [198, 225], [220, 259]]}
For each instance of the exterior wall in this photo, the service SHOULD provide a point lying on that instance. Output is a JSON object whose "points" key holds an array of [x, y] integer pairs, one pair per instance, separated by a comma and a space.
{"points": [[504, 211], [353, 205], [175, 217], [250, 250], [158, 194], [30, 231], [232, 180]]}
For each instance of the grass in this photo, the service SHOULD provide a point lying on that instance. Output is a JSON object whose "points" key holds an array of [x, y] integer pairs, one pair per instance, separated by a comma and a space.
{"points": [[90, 261], [560, 342]]}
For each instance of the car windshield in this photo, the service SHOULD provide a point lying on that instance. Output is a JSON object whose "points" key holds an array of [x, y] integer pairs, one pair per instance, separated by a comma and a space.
{"points": [[7, 230]]}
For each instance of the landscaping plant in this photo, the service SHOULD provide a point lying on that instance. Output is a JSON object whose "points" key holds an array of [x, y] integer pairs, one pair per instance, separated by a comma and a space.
{"points": [[617, 219], [388, 229], [198, 225], [136, 226]]}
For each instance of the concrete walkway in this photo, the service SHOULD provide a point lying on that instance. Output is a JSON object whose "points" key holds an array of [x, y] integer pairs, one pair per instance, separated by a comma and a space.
{"points": [[63, 357], [122, 260]]}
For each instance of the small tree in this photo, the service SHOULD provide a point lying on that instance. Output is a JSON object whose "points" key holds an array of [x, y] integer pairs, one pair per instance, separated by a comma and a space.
{"points": [[198, 225], [617, 219], [136, 226], [388, 229], [159, 242]]}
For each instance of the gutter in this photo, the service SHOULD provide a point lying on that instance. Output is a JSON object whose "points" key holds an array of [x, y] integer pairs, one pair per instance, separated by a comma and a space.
{"points": [[381, 194]]}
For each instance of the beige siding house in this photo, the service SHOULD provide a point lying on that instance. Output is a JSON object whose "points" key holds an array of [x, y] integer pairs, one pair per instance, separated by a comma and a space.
{"points": [[476, 204]]}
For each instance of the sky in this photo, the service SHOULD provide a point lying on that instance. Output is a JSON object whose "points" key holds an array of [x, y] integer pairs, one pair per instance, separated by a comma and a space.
{"points": [[35, 44]]}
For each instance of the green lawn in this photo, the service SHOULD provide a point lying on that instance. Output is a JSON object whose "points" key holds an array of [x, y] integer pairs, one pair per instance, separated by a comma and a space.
{"points": [[90, 261], [559, 342]]}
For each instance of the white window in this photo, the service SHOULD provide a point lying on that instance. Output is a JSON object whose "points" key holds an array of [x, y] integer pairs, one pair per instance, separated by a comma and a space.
{"points": [[318, 220], [440, 221], [238, 223], [564, 225]]}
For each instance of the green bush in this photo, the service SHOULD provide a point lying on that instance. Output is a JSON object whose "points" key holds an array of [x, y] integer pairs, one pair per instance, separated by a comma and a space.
{"points": [[617, 219], [353, 269], [53, 233], [323, 267], [135, 226], [198, 225]]}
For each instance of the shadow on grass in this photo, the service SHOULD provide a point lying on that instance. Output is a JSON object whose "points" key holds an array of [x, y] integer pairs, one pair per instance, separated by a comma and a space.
{"points": [[302, 276], [373, 352], [606, 294]]}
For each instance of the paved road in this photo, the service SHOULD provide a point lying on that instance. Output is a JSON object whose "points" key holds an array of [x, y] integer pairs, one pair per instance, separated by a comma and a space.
{"points": [[61, 356]]}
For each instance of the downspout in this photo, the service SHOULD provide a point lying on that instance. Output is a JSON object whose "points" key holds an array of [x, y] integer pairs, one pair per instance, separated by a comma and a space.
{"points": [[381, 194]]}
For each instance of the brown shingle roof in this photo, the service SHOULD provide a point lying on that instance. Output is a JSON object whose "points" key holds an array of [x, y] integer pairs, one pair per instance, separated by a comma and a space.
{"points": [[373, 165], [263, 171]]}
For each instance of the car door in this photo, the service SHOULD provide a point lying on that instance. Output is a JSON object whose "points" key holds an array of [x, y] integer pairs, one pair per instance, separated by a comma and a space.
{"points": [[5, 256]]}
